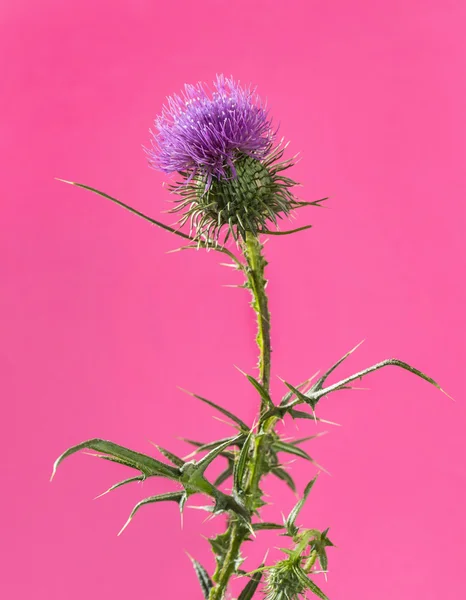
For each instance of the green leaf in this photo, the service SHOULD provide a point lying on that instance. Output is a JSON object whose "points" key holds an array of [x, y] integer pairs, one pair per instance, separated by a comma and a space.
{"points": [[313, 203], [196, 243], [200, 447], [268, 232], [318, 385], [176, 460], [128, 208], [280, 446], [299, 414], [224, 475], [289, 395], [240, 465], [203, 577], [251, 586], [224, 411], [120, 483], [301, 575], [325, 538], [306, 439], [171, 496], [212, 455], [284, 476], [385, 363], [322, 553], [146, 464], [302, 397], [262, 391], [266, 526], [290, 521]]}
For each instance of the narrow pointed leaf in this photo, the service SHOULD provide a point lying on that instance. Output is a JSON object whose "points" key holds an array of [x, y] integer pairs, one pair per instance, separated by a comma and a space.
{"points": [[280, 446], [306, 439], [121, 483], [313, 203], [196, 243], [268, 232], [224, 411], [284, 476], [318, 385], [224, 475], [262, 391], [212, 455], [200, 447], [299, 414], [309, 583], [251, 586], [240, 465], [385, 363], [146, 464], [176, 460], [114, 459], [129, 208], [289, 395], [266, 526], [171, 496], [302, 397], [290, 521], [203, 577], [322, 553]]}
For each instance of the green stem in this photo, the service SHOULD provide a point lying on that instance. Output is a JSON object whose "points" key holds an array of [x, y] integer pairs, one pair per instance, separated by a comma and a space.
{"points": [[255, 272], [310, 561], [238, 534], [255, 267]]}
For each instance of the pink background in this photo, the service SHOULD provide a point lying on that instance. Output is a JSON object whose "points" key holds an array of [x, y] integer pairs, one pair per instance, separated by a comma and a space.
{"points": [[99, 325]]}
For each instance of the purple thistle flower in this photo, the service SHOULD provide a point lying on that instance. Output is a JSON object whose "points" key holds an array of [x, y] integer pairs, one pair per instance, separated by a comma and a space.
{"points": [[222, 145], [203, 134]]}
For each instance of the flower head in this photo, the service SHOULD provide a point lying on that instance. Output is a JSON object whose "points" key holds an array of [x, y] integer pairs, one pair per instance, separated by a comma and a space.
{"points": [[221, 143], [286, 581], [203, 134]]}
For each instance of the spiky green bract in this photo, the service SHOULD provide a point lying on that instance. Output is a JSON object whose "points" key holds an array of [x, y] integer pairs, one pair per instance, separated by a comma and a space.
{"points": [[287, 580], [253, 194], [148, 466]]}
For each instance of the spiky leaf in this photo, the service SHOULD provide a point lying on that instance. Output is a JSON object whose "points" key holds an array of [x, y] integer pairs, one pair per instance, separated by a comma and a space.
{"points": [[301, 397], [224, 475], [177, 497], [284, 476], [318, 385], [121, 483], [176, 460], [266, 526], [240, 465], [262, 391], [146, 464], [290, 521], [280, 446], [304, 579], [203, 577], [224, 411], [315, 396], [251, 587]]}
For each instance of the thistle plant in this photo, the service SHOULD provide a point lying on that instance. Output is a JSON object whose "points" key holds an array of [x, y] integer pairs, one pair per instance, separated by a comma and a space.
{"points": [[232, 190]]}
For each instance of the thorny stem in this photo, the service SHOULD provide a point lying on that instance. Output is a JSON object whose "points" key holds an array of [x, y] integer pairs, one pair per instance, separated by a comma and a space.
{"points": [[255, 267], [257, 283], [238, 533]]}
